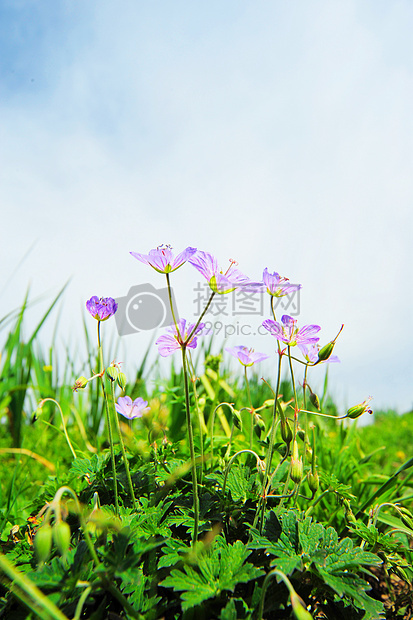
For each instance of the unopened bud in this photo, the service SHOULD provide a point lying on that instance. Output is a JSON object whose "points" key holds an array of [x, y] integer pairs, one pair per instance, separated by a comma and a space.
{"points": [[406, 516], [325, 352], [43, 542], [259, 425], [313, 481], [296, 468], [61, 536], [299, 608], [315, 401], [122, 381], [236, 418], [286, 432], [112, 372], [358, 410], [80, 384]]}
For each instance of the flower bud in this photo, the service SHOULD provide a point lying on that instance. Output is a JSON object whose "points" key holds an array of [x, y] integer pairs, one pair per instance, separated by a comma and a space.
{"points": [[313, 481], [112, 372], [325, 352], [80, 384], [299, 609], [315, 401], [358, 410], [259, 425], [286, 432], [236, 418], [122, 381], [61, 536], [43, 542], [296, 469], [406, 516], [349, 513]]}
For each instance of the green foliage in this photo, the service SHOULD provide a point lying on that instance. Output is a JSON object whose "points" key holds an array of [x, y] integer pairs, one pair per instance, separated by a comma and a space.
{"points": [[307, 547], [217, 570], [142, 564]]}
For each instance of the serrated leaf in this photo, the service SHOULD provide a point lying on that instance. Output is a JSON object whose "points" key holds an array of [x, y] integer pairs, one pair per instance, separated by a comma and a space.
{"points": [[220, 569], [352, 586], [88, 468], [241, 482], [330, 481], [173, 551]]}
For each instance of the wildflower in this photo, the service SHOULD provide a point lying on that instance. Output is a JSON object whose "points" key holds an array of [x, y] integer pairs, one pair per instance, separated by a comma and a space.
{"points": [[218, 281], [101, 308], [288, 332], [163, 260], [358, 410], [175, 339], [246, 356], [311, 354], [131, 409], [278, 286]]}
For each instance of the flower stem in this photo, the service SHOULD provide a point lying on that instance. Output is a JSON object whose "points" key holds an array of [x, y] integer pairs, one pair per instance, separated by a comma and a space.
{"points": [[45, 400], [105, 396], [251, 407], [270, 452], [191, 447], [204, 311], [122, 445]]}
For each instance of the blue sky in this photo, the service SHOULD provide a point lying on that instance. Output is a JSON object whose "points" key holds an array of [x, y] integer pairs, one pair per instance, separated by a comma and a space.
{"points": [[278, 134]]}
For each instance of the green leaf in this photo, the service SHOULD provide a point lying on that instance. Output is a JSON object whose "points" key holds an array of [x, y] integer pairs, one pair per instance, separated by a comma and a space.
{"points": [[220, 569], [352, 586]]}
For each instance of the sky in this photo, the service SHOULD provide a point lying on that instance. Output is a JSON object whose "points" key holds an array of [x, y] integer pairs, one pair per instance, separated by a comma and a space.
{"points": [[276, 134]]}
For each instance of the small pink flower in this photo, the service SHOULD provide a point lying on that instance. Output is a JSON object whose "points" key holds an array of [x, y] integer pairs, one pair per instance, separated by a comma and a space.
{"points": [[173, 341], [278, 286], [246, 356], [101, 308], [163, 260], [131, 409], [221, 282], [288, 332]]}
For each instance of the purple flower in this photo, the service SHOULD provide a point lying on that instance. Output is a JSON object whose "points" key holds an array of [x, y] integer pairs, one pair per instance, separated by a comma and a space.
{"points": [[131, 409], [218, 281], [162, 259], [278, 286], [288, 332], [311, 354], [173, 341], [101, 308], [246, 356]]}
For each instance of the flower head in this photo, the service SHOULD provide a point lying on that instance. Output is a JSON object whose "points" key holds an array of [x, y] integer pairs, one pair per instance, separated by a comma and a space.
{"points": [[311, 354], [358, 410], [173, 341], [101, 308], [288, 332], [218, 281], [246, 356], [163, 260], [131, 409], [278, 286]]}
